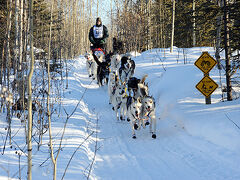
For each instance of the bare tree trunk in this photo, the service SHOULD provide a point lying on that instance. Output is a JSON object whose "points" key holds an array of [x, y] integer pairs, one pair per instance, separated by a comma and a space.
{"points": [[194, 23], [25, 44], [97, 7], [173, 20], [20, 37], [160, 25], [29, 138], [16, 52], [8, 62], [227, 52], [218, 37], [54, 160], [149, 35]]}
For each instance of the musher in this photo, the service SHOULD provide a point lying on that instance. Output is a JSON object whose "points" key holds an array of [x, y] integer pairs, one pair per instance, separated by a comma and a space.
{"points": [[98, 35]]}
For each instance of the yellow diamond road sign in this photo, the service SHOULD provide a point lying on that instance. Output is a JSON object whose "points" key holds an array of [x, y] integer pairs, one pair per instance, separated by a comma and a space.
{"points": [[205, 62], [206, 86]]}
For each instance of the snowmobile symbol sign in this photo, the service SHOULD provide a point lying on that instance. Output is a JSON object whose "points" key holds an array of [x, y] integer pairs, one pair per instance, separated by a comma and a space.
{"points": [[205, 62], [206, 86]]}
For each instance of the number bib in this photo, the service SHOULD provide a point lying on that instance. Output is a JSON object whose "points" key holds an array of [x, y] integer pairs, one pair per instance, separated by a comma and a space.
{"points": [[98, 32]]}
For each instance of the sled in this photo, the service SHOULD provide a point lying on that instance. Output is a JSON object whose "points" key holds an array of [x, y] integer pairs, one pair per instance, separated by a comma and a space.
{"points": [[98, 50]]}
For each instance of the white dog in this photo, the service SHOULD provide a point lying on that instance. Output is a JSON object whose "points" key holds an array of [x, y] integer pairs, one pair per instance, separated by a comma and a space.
{"points": [[133, 113], [112, 83], [91, 65], [115, 63], [148, 112], [117, 98]]}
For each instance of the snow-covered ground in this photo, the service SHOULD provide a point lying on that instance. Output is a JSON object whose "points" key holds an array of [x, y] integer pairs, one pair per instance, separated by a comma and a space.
{"points": [[194, 141]]}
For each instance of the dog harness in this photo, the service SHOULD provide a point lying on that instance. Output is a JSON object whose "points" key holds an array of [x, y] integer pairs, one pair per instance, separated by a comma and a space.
{"points": [[147, 115], [122, 70], [135, 117], [114, 90], [90, 63]]}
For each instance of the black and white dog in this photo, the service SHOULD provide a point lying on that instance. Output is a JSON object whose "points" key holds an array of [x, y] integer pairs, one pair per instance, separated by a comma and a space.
{"points": [[134, 114], [117, 99], [126, 69], [91, 65], [137, 87], [140, 111], [102, 70]]}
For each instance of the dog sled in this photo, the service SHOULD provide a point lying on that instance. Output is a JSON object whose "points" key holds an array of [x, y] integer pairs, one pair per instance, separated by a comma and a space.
{"points": [[98, 51]]}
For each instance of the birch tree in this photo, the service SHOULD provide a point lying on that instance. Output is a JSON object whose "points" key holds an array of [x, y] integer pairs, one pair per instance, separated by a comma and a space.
{"points": [[194, 23], [29, 137], [227, 51], [173, 20]]}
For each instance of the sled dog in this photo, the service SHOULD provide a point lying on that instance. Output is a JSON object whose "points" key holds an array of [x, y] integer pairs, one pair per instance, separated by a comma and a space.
{"points": [[112, 83], [117, 98], [115, 63], [148, 113], [102, 70], [91, 65], [137, 88], [133, 113], [127, 69]]}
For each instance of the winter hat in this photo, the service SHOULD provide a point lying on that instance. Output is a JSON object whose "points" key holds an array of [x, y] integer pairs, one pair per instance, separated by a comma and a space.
{"points": [[98, 19]]}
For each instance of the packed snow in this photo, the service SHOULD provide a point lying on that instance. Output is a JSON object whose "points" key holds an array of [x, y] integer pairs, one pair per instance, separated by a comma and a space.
{"points": [[194, 141]]}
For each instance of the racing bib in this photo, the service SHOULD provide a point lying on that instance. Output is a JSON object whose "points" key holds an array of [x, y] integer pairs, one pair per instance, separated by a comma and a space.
{"points": [[98, 32]]}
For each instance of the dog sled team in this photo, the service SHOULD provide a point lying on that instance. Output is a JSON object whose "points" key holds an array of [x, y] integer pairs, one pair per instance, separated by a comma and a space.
{"points": [[128, 95]]}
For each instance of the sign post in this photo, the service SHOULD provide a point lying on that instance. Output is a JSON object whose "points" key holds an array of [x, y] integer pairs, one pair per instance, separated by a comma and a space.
{"points": [[206, 86]]}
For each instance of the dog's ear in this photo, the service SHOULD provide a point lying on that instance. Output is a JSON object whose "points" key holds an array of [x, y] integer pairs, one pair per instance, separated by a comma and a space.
{"points": [[139, 100]]}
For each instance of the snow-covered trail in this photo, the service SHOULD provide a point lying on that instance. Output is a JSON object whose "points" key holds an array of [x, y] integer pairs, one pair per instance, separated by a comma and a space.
{"points": [[176, 153], [194, 141]]}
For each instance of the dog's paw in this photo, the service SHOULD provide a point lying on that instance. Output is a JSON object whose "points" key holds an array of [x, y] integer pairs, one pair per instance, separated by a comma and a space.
{"points": [[135, 126], [122, 118], [128, 119], [147, 123], [154, 136], [134, 136]]}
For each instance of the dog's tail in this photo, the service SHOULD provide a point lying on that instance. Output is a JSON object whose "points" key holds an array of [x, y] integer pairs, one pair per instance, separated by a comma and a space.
{"points": [[144, 78]]}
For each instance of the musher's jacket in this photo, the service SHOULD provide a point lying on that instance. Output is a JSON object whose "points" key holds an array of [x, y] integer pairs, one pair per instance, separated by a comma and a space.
{"points": [[98, 35]]}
